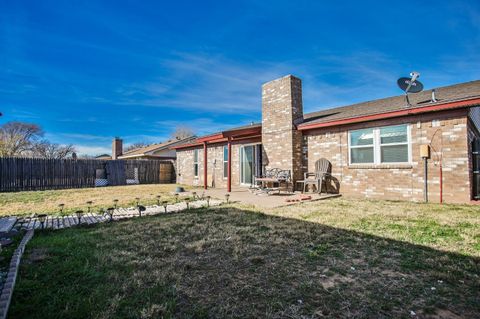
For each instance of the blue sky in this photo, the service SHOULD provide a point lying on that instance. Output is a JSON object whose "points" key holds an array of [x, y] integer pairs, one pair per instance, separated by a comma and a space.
{"points": [[87, 71]]}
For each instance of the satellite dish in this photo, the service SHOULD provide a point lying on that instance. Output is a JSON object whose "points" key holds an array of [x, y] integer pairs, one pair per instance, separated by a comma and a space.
{"points": [[409, 86]]}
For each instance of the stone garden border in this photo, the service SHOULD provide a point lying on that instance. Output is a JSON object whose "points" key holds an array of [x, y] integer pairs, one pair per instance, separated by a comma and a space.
{"points": [[7, 291]]}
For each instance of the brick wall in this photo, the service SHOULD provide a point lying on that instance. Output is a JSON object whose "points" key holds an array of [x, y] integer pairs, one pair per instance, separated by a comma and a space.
{"points": [[281, 109], [403, 182], [215, 165]]}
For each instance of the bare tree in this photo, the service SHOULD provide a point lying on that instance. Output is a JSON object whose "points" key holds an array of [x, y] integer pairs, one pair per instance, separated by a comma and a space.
{"points": [[17, 138], [182, 131], [45, 149], [134, 146]]}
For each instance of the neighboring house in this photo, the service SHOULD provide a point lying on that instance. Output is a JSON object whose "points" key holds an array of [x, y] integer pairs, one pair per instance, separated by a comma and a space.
{"points": [[374, 147], [103, 157], [160, 151]]}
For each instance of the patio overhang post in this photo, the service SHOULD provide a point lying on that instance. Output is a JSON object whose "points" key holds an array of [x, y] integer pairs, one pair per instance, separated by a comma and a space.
{"points": [[205, 182], [229, 165]]}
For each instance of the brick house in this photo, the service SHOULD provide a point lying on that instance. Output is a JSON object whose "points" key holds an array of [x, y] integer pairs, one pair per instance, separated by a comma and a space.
{"points": [[374, 147], [158, 151]]}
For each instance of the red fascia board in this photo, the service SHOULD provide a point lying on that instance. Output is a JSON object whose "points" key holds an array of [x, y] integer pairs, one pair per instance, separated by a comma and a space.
{"points": [[407, 111], [185, 146], [235, 140], [221, 137], [218, 140], [209, 138], [197, 144], [243, 132]]}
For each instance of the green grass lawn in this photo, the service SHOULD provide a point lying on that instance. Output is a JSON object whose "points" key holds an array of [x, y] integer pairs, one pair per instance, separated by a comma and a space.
{"points": [[337, 258]]}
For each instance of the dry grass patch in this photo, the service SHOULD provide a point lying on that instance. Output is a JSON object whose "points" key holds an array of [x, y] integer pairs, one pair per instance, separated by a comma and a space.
{"points": [[26, 203], [232, 262]]}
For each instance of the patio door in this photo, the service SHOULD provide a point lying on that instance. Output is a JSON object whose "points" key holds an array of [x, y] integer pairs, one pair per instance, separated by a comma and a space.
{"points": [[476, 169], [247, 164]]}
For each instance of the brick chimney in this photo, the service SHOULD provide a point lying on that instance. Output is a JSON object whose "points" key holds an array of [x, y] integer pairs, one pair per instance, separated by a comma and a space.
{"points": [[282, 109], [117, 147]]}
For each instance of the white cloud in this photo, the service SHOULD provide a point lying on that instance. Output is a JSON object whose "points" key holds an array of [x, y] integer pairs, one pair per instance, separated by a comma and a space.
{"points": [[213, 83], [203, 82], [60, 137], [202, 126], [91, 150]]}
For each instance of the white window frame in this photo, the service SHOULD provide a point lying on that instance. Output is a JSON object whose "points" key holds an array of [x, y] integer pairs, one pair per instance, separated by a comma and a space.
{"points": [[240, 161], [377, 154], [350, 147], [195, 162], [225, 172]]}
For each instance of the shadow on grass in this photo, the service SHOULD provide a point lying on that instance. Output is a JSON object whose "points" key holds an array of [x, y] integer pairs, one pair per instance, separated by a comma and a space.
{"points": [[227, 262]]}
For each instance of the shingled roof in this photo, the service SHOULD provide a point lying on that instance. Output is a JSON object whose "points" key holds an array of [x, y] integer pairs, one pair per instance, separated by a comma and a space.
{"points": [[417, 100]]}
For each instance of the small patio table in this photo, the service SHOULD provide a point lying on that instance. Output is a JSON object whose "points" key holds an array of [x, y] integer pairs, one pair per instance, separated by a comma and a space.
{"points": [[266, 181]]}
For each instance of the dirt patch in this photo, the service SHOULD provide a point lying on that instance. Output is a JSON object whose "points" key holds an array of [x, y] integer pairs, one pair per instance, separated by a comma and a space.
{"points": [[441, 314], [393, 274], [328, 282], [36, 255]]}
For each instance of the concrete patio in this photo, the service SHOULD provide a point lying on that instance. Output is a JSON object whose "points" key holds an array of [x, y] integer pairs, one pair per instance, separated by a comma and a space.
{"points": [[244, 195]]}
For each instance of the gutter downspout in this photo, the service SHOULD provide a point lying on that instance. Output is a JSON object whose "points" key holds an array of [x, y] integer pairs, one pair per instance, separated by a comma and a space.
{"points": [[229, 169], [441, 182], [205, 164]]}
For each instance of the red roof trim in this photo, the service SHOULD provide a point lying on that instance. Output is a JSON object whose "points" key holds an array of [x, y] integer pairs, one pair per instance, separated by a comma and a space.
{"points": [[407, 111], [243, 132], [209, 137], [223, 136], [185, 146], [235, 140]]}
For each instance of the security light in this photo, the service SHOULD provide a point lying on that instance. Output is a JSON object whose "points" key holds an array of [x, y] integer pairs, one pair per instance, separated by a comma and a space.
{"points": [[42, 218], [165, 204], [79, 214]]}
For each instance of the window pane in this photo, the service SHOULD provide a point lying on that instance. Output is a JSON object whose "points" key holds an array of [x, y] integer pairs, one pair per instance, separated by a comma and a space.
{"points": [[362, 155], [195, 156], [361, 137], [225, 169], [394, 154], [225, 153], [393, 134], [195, 169]]}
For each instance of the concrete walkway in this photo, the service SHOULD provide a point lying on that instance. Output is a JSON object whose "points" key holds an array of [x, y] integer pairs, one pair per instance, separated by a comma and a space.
{"points": [[245, 195], [7, 223], [60, 222], [239, 194]]}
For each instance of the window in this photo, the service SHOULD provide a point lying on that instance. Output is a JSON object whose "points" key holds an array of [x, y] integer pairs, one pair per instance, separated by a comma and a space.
{"points": [[361, 146], [195, 163], [394, 144], [225, 161], [379, 145]]}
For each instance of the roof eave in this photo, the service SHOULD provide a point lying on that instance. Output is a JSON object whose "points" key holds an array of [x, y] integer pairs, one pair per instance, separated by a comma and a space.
{"points": [[209, 137], [222, 137], [243, 132], [130, 156]]}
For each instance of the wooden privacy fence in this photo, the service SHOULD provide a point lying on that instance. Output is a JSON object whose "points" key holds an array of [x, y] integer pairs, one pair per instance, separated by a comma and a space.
{"points": [[19, 174]]}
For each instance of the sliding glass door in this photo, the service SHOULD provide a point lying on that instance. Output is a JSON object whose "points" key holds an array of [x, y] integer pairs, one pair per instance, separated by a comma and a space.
{"points": [[247, 164]]}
